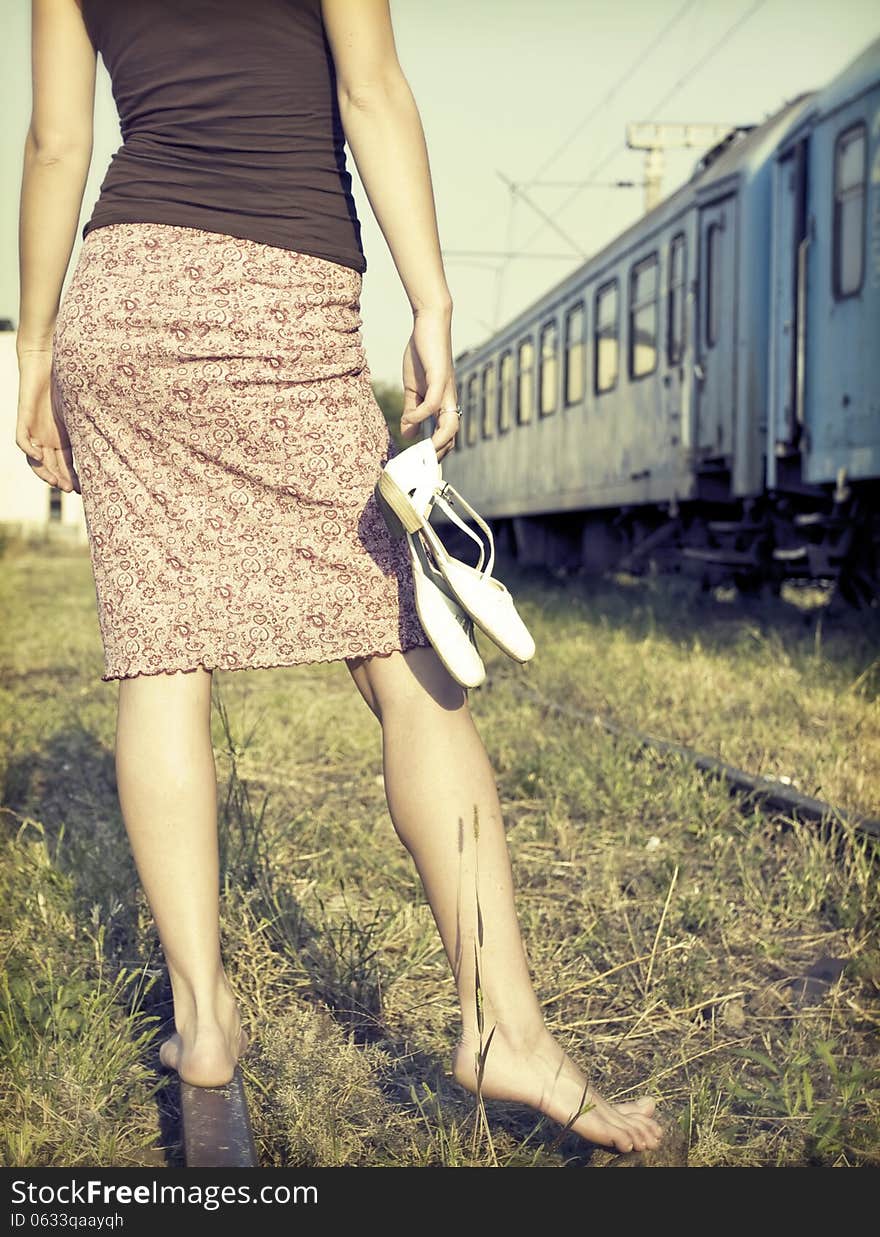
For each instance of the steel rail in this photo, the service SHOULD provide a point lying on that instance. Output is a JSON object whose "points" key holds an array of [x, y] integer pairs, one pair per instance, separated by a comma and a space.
{"points": [[769, 792], [216, 1126]]}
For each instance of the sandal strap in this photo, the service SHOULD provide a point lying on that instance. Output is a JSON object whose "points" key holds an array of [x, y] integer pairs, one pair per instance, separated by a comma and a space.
{"points": [[441, 500], [456, 519]]}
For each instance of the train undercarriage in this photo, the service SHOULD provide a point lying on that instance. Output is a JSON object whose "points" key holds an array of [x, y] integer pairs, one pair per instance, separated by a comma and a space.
{"points": [[827, 539]]}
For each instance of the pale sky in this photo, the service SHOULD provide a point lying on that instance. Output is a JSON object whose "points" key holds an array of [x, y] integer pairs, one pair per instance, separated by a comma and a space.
{"points": [[501, 86]]}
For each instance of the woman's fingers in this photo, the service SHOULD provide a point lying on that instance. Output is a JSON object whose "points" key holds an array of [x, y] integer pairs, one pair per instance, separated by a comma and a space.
{"points": [[443, 437], [35, 451], [64, 470], [429, 383], [45, 473], [40, 458], [430, 403], [442, 409], [60, 464], [23, 441], [40, 431]]}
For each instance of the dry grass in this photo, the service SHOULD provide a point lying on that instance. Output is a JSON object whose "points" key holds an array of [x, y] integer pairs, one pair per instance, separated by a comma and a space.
{"points": [[664, 920]]}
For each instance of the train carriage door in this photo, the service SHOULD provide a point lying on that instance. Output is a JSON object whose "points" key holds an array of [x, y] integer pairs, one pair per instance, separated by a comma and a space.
{"points": [[787, 303], [716, 332]]}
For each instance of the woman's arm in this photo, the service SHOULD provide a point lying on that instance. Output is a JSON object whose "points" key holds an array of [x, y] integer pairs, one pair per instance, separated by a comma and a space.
{"points": [[384, 132], [57, 155]]}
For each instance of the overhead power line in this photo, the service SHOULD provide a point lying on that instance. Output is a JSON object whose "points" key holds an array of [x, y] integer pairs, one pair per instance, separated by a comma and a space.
{"points": [[673, 90], [590, 180], [579, 128], [618, 85]]}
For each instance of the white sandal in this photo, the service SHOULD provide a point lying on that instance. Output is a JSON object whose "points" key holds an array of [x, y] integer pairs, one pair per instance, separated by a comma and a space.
{"points": [[408, 487], [447, 626]]}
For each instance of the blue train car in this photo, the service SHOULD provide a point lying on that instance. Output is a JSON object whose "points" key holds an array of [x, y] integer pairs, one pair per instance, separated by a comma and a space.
{"points": [[824, 408], [664, 402]]}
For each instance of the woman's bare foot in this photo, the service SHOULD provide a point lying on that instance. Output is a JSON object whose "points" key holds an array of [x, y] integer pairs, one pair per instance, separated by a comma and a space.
{"points": [[543, 1076], [204, 1051]]}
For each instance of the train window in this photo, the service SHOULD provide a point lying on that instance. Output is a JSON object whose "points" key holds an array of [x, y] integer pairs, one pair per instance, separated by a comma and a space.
{"points": [[525, 387], [848, 253], [470, 413], [713, 282], [549, 366], [607, 337], [675, 300], [643, 317], [489, 399], [574, 354], [505, 408]]}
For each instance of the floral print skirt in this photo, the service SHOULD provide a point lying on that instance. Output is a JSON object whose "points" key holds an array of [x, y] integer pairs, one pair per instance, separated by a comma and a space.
{"points": [[218, 402]]}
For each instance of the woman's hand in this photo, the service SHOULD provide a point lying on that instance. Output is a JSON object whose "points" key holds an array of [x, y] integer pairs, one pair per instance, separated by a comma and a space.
{"points": [[429, 380], [40, 431]]}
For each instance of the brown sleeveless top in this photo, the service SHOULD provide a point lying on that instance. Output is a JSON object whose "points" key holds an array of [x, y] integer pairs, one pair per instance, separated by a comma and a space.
{"points": [[229, 120]]}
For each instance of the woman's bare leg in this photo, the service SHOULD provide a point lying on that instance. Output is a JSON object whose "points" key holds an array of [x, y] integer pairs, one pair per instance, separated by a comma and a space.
{"points": [[437, 775], [168, 794]]}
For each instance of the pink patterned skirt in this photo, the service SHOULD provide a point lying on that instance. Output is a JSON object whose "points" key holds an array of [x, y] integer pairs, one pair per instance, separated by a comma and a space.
{"points": [[217, 397]]}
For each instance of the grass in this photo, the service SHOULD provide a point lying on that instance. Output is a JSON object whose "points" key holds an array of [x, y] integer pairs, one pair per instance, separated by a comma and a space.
{"points": [[664, 918]]}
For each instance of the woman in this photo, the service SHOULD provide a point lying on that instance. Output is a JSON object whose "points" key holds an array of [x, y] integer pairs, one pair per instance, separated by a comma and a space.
{"points": [[206, 373]]}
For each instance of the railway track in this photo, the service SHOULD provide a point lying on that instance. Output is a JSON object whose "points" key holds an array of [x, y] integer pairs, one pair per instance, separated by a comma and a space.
{"points": [[772, 794], [216, 1126]]}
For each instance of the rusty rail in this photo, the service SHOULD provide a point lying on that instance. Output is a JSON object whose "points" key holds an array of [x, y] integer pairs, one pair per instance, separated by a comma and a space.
{"points": [[216, 1126], [773, 795]]}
